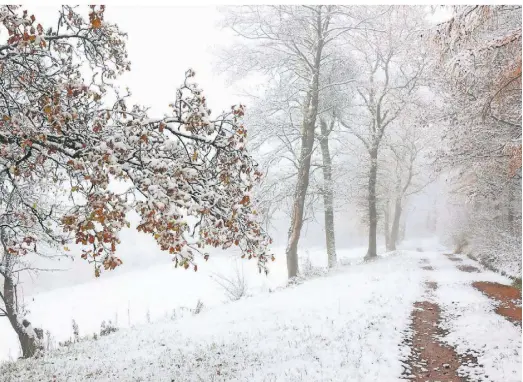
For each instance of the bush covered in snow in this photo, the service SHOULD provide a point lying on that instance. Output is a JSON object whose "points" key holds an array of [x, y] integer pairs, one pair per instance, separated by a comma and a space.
{"points": [[309, 270], [482, 235], [107, 328], [234, 285]]}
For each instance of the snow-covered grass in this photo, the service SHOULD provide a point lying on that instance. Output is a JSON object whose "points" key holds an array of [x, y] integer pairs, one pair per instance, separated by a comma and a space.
{"points": [[137, 296], [345, 326]]}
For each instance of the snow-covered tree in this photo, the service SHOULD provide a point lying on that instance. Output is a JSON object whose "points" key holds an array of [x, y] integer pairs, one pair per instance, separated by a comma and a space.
{"points": [[480, 64], [391, 72], [406, 169], [296, 44], [75, 158]]}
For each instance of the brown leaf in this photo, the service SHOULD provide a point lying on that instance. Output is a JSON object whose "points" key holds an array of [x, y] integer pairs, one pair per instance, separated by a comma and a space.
{"points": [[96, 23]]}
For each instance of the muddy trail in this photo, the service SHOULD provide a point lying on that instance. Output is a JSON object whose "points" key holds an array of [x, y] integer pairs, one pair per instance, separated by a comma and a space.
{"points": [[508, 299], [432, 360]]}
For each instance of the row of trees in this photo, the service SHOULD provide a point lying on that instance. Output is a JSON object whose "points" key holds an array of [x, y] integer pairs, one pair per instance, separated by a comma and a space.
{"points": [[371, 104], [76, 157], [344, 88], [481, 87]]}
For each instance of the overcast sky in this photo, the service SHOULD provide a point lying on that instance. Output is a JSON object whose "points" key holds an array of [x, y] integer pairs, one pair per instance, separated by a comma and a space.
{"points": [[163, 43]]}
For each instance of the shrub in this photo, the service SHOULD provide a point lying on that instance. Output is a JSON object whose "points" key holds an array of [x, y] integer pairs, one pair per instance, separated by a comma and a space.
{"points": [[234, 286], [107, 328], [199, 307]]}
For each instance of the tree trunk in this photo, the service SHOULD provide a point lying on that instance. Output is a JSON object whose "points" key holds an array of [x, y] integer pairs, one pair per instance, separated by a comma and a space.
{"points": [[394, 233], [386, 225], [307, 144], [302, 184], [328, 197], [310, 112], [26, 334], [373, 218], [403, 229]]}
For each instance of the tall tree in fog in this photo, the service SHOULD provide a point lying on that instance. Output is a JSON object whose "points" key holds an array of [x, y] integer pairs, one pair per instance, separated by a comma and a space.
{"points": [[392, 63], [326, 129], [407, 170], [296, 43]]}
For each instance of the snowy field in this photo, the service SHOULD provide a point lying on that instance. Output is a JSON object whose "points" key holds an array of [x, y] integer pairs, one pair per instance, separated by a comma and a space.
{"points": [[344, 326], [135, 297], [314, 331]]}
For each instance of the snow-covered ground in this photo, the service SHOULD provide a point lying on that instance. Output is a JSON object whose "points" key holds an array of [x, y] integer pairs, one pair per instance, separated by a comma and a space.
{"points": [[468, 316], [345, 326], [129, 298]]}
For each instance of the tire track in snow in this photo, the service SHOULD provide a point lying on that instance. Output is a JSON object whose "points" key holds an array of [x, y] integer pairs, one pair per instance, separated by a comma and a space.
{"points": [[431, 359], [491, 346]]}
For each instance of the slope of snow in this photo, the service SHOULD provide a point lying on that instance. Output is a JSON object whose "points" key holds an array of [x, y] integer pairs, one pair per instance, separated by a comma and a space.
{"points": [[129, 298], [347, 326]]}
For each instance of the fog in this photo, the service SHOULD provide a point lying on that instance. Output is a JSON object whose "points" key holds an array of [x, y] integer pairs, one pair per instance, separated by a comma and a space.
{"points": [[301, 139], [155, 75]]}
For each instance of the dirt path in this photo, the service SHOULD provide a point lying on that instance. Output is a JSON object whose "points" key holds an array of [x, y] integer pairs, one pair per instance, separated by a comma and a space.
{"points": [[430, 360], [464, 268], [461, 267], [453, 257], [468, 269], [507, 297]]}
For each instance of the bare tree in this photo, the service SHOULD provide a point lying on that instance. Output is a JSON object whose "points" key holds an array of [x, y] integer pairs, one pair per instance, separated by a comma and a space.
{"points": [[295, 43], [388, 83], [408, 170]]}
